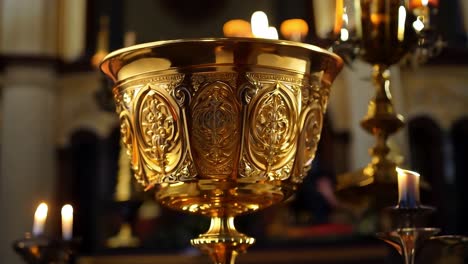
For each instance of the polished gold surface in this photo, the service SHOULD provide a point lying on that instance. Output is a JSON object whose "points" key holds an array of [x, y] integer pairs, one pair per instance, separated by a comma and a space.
{"points": [[221, 127], [386, 31], [386, 36], [381, 121]]}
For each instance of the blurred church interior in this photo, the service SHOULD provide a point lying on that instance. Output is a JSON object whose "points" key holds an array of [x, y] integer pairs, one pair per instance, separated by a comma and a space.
{"points": [[60, 135]]}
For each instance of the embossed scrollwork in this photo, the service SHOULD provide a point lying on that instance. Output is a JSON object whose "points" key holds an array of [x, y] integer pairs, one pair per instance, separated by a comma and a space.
{"points": [[182, 95], [271, 139], [215, 129], [312, 120], [159, 129]]}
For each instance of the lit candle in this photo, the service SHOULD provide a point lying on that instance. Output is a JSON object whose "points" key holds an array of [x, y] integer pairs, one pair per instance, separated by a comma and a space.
{"points": [[272, 33], [421, 3], [408, 189], [129, 38], [328, 17], [259, 24], [40, 217], [344, 33], [418, 24], [294, 29], [401, 23], [237, 28], [67, 222]]}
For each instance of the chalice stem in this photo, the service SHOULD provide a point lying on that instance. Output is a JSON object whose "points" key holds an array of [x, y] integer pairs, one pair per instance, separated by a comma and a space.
{"points": [[222, 242]]}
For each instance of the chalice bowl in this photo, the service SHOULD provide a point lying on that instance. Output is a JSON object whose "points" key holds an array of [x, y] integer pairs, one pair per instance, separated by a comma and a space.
{"points": [[221, 127]]}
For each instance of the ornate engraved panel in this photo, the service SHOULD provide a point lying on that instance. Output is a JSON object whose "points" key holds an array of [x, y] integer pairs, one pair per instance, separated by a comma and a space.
{"points": [[284, 115], [160, 131], [200, 78], [156, 145], [271, 133], [311, 119], [215, 129]]}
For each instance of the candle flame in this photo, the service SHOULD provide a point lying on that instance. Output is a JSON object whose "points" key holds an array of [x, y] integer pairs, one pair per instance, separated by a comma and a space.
{"points": [[424, 2], [260, 27], [272, 33], [401, 171], [259, 24], [237, 28], [67, 211], [345, 17], [67, 222], [344, 33], [41, 211], [408, 188], [418, 24], [294, 29], [401, 23]]}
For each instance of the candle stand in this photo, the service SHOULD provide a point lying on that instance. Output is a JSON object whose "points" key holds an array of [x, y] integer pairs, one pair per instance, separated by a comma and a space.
{"points": [[445, 249], [43, 250], [406, 240], [407, 236]]}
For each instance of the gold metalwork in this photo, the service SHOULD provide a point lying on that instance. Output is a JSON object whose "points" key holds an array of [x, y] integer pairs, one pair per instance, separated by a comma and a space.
{"points": [[222, 127], [385, 39]]}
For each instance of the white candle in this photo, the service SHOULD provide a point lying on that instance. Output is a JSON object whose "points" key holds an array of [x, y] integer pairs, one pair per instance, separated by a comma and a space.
{"points": [[272, 33], [401, 23], [259, 24], [408, 189], [67, 222], [40, 217]]}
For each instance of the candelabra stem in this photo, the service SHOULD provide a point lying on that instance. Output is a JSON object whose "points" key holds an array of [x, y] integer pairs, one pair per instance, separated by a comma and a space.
{"points": [[223, 242], [382, 121], [405, 240], [408, 250]]}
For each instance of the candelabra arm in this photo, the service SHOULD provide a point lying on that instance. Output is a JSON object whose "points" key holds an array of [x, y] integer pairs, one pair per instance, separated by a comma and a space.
{"points": [[223, 242], [43, 250]]}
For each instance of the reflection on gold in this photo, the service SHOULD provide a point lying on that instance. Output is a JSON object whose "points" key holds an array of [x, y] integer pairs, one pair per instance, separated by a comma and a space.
{"points": [[221, 137]]}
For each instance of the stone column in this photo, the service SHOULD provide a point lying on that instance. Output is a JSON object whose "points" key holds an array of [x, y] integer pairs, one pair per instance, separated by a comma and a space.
{"points": [[27, 151], [360, 91], [27, 174]]}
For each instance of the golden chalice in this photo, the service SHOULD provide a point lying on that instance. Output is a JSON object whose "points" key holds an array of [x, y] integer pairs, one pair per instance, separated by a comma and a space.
{"points": [[221, 127]]}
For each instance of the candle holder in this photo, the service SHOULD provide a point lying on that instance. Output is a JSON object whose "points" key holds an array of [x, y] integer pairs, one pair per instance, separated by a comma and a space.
{"points": [[43, 250], [221, 127], [385, 33], [406, 240], [445, 249], [408, 236], [125, 236]]}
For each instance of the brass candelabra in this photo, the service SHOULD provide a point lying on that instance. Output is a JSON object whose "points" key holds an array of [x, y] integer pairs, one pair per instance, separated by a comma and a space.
{"points": [[384, 35], [221, 127], [43, 250]]}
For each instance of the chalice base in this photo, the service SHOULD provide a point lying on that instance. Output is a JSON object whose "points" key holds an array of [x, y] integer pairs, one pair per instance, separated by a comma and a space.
{"points": [[222, 201], [219, 198], [223, 242]]}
